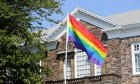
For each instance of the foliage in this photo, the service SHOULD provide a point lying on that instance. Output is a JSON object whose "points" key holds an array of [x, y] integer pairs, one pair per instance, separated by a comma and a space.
{"points": [[18, 64]]}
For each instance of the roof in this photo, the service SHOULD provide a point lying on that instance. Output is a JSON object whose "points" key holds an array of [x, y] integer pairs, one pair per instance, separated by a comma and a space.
{"points": [[89, 13], [46, 31], [77, 10], [126, 20], [129, 17]]}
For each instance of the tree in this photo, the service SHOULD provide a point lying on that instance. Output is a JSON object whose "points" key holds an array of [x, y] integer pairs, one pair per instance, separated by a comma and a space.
{"points": [[18, 65]]}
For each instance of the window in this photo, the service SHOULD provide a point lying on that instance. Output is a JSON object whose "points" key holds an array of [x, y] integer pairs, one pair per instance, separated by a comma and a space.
{"points": [[68, 69], [97, 70], [136, 58], [82, 64]]}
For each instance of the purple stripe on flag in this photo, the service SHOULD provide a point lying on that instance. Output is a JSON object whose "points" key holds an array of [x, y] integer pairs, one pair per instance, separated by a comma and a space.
{"points": [[71, 38], [94, 61]]}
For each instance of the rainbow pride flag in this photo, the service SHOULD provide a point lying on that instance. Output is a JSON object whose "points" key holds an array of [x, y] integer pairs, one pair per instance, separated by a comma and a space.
{"points": [[86, 41]]}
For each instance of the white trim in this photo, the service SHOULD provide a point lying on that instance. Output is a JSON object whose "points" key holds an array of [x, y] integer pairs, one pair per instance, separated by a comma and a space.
{"points": [[123, 27], [133, 62], [40, 65], [94, 21], [52, 45], [95, 69], [123, 33], [75, 62], [97, 20], [133, 58], [74, 13], [62, 32], [56, 28], [95, 16]]}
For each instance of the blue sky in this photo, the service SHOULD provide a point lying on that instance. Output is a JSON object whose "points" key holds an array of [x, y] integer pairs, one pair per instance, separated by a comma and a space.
{"points": [[101, 7]]}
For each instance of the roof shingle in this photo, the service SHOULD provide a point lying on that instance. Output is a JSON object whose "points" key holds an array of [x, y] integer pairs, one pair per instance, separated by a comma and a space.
{"points": [[129, 17]]}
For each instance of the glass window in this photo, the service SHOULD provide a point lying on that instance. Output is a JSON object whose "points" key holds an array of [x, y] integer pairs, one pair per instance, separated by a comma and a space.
{"points": [[68, 69], [136, 58], [136, 47], [82, 64]]}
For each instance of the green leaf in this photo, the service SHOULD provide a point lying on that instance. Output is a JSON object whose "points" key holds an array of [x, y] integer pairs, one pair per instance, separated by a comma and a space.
{"points": [[17, 62]]}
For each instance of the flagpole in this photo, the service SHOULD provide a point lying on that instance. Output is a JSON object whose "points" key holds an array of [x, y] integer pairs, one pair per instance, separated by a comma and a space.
{"points": [[66, 50]]}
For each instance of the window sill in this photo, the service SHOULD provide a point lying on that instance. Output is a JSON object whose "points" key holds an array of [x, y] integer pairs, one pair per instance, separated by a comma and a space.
{"points": [[136, 75]]}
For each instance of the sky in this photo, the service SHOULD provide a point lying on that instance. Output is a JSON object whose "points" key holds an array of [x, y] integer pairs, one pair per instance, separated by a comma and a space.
{"points": [[100, 7]]}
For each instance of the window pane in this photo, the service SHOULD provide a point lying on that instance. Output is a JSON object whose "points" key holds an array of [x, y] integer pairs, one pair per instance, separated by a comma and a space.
{"points": [[136, 47], [98, 70], [137, 62], [138, 56], [68, 69], [82, 64]]}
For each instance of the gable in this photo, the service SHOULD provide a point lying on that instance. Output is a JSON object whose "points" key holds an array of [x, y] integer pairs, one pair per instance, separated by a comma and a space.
{"points": [[122, 29], [84, 15]]}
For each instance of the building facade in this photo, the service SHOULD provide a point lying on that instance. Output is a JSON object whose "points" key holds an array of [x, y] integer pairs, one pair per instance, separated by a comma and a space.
{"points": [[119, 33]]}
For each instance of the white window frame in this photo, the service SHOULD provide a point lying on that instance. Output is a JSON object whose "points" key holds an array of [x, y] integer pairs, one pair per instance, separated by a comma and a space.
{"points": [[133, 58], [75, 60], [96, 71], [68, 71]]}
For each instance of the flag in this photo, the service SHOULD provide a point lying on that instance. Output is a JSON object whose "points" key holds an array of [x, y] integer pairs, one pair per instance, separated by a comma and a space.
{"points": [[84, 40]]}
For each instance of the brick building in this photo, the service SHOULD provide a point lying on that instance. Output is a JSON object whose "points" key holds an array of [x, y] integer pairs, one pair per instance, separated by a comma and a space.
{"points": [[120, 33]]}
